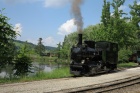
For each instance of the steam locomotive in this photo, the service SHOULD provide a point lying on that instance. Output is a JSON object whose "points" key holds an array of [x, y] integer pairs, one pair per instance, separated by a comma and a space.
{"points": [[92, 57]]}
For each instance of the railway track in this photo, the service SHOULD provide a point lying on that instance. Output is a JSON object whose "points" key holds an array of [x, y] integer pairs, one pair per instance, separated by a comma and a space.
{"points": [[105, 87]]}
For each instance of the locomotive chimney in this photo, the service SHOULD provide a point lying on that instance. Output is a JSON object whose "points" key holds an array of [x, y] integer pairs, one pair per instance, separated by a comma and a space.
{"points": [[79, 39]]}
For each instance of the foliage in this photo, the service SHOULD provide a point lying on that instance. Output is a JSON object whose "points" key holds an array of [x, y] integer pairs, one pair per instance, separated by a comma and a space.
{"points": [[40, 48], [57, 73], [58, 49], [22, 65], [7, 47], [124, 55], [135, 13], [23, 62], [135, 22], [128, 65]]}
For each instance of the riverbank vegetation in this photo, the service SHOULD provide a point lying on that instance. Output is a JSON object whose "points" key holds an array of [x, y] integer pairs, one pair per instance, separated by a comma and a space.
{"points": [[57, 73]]}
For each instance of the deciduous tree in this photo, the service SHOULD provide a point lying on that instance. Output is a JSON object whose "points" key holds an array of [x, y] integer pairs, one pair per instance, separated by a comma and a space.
{"points": [[7, 36]]}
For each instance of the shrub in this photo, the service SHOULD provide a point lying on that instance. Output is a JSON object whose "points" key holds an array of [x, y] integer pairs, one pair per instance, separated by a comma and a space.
{"points": [[123, 55], [22, 65]]}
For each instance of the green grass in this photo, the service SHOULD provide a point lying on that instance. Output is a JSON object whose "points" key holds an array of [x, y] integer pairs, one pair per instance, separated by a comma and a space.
{"points": [[128, 65], [57, 73]]}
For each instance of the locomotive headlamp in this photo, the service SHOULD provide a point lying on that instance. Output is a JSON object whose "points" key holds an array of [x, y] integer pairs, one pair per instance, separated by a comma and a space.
{"points": [[83, 61]]}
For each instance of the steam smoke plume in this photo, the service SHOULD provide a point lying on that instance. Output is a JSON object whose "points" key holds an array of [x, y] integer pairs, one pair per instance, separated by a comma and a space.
{"points": [[76, 13]]}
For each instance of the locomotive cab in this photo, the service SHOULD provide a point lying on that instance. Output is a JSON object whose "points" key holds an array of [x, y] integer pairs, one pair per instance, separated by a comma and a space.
{"points": [[93, 57], [109, 53]]}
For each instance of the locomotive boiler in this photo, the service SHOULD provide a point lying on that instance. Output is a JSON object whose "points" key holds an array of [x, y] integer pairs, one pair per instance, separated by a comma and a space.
{"points": [[92, 57]]}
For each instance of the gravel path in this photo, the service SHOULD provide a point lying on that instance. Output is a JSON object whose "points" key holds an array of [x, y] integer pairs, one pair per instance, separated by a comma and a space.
{"points": [[66, 83]]}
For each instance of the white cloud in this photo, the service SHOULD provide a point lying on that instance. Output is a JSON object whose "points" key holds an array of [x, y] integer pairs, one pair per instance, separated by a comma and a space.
{"points": [[122, 7], [18, 29], [49, 41], [111, 14], [67, 28], [56, 3], [32, 41], [139, 3]]}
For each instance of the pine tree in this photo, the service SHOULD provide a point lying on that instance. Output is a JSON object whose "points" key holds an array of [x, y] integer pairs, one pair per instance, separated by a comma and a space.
{"points": [[106, 14], [40, 48], [105, 19]]}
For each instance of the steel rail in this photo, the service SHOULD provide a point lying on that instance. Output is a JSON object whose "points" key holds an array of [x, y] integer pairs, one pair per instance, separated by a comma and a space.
{"points": [[104, 87]]}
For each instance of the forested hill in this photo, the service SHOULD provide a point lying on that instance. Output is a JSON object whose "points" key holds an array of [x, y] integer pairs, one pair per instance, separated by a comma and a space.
{"points": [[22, 43]]}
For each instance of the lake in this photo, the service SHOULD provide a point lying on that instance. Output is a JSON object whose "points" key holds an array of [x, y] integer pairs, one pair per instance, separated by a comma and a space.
{"points": [[36, 67]]}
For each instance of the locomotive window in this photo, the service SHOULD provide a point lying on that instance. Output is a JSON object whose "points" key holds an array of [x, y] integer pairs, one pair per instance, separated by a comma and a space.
{"points": [[102, 45]]}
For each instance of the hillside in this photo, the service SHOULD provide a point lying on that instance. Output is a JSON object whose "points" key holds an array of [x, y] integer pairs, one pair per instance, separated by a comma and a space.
{"points": [[19, 43]]}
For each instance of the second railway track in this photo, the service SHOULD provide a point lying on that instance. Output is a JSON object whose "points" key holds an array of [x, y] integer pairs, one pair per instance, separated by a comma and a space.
{"points": [[105, 87]]}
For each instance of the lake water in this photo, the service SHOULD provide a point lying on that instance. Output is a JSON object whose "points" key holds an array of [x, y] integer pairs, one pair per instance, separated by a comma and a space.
{"points": [[37, 67]]}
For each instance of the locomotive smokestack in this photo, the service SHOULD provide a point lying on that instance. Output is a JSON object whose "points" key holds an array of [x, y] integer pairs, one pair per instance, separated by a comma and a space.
{"points": [[79, 39]]}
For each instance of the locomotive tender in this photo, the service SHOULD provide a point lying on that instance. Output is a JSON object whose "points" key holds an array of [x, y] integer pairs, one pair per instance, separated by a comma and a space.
{"points": [[93, 57]]}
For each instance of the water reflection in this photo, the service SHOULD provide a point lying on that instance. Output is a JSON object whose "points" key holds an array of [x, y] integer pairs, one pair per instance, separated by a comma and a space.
{"points": [[43, 67], [36, 67]]}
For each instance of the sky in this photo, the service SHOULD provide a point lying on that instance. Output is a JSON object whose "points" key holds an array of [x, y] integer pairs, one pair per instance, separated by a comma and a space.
{"points": [[51, 20]]}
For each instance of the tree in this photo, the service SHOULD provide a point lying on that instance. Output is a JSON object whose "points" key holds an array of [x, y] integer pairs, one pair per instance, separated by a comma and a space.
{"points": [[135, 13], [22, 65], [23, 62], [105, 18], [135, 22], [59, 49], [7, 36], [40, 48]]}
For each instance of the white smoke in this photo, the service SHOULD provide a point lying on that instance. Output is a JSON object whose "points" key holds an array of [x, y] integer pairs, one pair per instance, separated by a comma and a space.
{"points": [[67, 28]]}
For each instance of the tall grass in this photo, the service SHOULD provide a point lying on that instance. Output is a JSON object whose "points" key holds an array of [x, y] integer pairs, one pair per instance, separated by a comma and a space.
{"points": [[57, 73], [128, 65]]}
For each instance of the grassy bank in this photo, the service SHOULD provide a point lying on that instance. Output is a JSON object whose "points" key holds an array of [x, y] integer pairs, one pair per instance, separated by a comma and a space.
{"points": [[128, 65], [57, 73]]}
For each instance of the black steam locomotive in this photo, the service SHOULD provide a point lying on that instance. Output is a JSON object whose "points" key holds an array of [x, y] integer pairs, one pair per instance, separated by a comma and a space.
{"points": [[92, 57]]}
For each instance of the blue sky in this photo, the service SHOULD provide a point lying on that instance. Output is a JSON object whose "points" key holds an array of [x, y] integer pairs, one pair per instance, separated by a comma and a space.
{"points": [[50, 20]]}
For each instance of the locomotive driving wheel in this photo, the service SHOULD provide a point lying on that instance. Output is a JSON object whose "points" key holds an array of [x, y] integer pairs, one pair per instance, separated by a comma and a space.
{"points": [[92, 71]]}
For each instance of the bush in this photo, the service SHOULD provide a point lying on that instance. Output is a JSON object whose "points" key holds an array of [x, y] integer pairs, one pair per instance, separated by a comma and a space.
{"points": [[22, 65], [123, 55]]}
